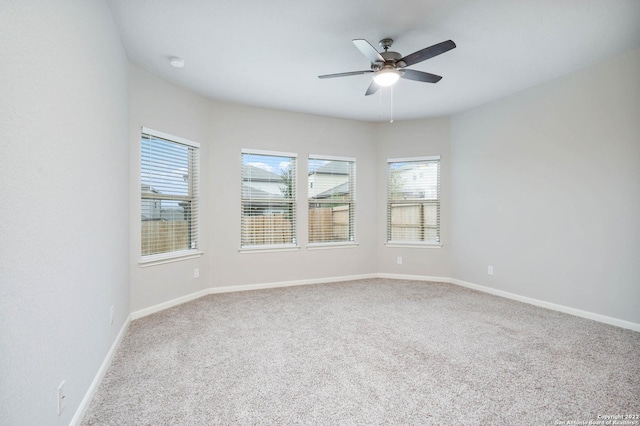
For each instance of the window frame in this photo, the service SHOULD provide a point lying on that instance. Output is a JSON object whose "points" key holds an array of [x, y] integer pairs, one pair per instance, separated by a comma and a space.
{"points": [[192, 198], [438, 201], [352, 242], [262, 248]]}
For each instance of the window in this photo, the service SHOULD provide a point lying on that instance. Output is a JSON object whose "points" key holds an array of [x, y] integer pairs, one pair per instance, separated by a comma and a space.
{"points": [[332, 182], [169, 195], [413, 200], [268, 200]]}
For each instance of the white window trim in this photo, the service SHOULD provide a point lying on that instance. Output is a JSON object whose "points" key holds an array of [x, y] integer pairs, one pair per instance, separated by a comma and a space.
{"points": [[271, 153], [330, 245], [414, 244], [331, 157], [172, 138], [413, 159], [174, 256], [267, 248], [270, 248], [333, 244]]}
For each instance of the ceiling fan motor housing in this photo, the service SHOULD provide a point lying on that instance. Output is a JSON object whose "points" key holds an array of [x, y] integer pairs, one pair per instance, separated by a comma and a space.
{"points": [[391, 59]]}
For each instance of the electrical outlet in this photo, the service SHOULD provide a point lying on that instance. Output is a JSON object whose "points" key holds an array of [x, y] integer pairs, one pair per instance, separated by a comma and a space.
{"points": [[399, 260], [490, 270], [111, 315], [62, 396], [196, 273]]}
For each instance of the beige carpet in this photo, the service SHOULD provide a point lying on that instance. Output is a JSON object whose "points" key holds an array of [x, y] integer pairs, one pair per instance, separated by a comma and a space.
{"points": [[368, 352]]}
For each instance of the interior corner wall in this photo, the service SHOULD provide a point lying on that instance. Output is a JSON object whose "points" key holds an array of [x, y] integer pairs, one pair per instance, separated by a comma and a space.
{"points": [[162, 106], [223, 130], [546, 189], [416, 138], [234, 127], [64, 215]]}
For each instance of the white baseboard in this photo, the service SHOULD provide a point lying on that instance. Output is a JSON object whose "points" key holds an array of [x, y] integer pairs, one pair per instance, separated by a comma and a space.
{"points": [[168, 304], [262, 286], [548, 305], [84, 404], [414, 277], [246, 287], [513, 296]]}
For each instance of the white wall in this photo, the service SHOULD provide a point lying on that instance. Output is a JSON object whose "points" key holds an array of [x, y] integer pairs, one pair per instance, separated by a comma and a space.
{"points": [[223, 129], [159, 105], [416, 138], [233, 127], [546, 188], [64, 215]]}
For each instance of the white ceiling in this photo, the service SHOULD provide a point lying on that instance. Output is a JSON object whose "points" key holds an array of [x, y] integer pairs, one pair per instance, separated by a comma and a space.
{"points": [[268, 53]]}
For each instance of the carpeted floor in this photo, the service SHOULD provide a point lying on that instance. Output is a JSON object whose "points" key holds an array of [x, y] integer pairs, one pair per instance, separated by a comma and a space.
{"points": [[368, 352]]}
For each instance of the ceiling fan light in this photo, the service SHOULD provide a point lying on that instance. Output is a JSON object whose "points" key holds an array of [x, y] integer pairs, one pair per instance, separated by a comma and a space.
{"points": [[386, 77]]}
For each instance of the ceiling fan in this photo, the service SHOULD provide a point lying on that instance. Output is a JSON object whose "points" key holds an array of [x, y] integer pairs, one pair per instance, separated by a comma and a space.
{"points": [[387, 67]]}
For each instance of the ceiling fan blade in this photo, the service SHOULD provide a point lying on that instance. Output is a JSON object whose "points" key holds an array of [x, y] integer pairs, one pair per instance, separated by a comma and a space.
{"points": [[373, 88], [428, 52], [345, 74], [420, 76], [368, 50]]}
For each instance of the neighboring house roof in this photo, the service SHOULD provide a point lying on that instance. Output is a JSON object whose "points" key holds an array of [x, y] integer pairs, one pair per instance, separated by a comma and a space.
{"points": [[338, 190], [332, 168], [251, 192], [258, 174]]}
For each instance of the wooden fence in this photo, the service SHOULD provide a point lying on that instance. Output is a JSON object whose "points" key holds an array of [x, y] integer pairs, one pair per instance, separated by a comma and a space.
{"points": [[409, 222], [159, 236], [267, 229], [325, 224], [414, 222], [328, 224]]}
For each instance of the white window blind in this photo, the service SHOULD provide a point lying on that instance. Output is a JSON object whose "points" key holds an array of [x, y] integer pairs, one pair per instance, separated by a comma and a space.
{"points": [[331, 197], [169, 193], [268, 199], [413, 200]]}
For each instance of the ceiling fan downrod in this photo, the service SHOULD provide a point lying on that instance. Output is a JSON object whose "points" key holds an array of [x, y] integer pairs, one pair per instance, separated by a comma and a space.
{"points": [[386, 43]]}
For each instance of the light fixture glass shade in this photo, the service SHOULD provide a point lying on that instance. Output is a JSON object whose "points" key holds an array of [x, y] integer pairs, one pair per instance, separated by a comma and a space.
{"points": [[386, 77]]}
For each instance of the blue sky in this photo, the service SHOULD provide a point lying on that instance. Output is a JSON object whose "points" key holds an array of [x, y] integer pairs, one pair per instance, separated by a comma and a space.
{"points": [[272, 163]]}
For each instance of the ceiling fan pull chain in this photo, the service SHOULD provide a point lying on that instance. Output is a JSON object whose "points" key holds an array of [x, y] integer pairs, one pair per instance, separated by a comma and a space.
{"points": [[391, 114]]}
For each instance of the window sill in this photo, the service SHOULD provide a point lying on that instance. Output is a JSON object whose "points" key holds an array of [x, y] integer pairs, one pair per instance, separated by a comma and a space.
{"points": [[268, 249], [414, 245], [336, 245], [160, 259]]}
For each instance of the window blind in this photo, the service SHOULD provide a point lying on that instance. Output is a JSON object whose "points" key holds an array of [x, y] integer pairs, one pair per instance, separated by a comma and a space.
{"points": [[268, 199], [331, 198], [169, 176], [413, 200]]}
